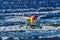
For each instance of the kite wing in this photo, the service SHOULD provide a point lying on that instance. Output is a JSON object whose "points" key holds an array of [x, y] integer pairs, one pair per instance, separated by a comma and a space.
{"points": [[31, 19]]}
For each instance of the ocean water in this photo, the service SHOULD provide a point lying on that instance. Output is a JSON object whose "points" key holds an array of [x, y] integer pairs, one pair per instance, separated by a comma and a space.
{"points": [[12, 10], [10, 21], [13, 20]]}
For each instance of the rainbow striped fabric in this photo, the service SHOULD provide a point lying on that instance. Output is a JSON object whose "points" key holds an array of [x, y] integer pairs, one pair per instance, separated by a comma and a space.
{"points": [[32, 19]]}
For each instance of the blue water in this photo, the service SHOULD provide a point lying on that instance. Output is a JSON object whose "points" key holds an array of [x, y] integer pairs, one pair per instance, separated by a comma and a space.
{"points": [[9, 19]]}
